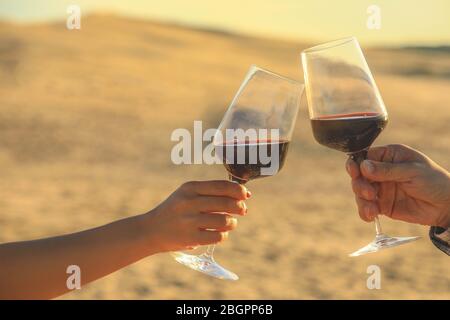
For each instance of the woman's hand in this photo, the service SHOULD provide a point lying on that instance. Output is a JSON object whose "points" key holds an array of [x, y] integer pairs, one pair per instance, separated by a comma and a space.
{"points": [[403, 184], [197, 213]]}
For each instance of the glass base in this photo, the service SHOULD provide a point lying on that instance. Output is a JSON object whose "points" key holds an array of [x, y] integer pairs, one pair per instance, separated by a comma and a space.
{"points": [[381, 242], [204, 263]]}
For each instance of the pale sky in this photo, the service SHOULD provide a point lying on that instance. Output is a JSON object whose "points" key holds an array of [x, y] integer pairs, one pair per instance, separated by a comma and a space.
{"points": [[402, 21]]}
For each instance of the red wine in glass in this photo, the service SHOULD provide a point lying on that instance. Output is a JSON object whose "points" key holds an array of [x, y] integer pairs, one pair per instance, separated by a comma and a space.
{"points": [[349, 133], [244, 161]]}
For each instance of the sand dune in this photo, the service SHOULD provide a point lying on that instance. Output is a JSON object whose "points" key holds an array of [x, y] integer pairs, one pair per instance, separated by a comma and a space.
{"points": [[85, 123]]}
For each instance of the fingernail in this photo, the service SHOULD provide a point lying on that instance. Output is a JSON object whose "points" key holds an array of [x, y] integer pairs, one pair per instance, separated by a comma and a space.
{"points": [[367, 211], [368, 166], [347, 166], [244, 206], [249, 194]]}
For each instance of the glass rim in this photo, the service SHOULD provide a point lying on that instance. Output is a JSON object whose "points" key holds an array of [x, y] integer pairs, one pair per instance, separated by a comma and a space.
{"points": [[329, 44], [254, 68]]}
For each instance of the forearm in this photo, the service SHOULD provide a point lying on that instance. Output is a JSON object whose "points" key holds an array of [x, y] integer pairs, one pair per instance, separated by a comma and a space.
{"points": [[37, 269]]}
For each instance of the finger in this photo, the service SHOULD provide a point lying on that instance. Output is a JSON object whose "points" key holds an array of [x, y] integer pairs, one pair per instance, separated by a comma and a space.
{"points": [[352, 168], [363, 189], [216, 221], [387, 195], [377, 153], [376, 187], [220, 204], [395, 153], [367, 210], [218, 188], [403, 213], [205, 237], [385, 171]]}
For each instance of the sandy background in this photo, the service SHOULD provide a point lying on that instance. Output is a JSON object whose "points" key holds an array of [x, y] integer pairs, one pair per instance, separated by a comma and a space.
{"points": [[85, 124]]}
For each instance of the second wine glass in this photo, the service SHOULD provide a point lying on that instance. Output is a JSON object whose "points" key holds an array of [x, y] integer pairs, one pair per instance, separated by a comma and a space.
{"points": [[346, 110]]}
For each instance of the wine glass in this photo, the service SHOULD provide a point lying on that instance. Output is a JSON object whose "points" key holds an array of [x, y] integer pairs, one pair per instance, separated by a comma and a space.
{"points": [[252, 142], [346, 110]]}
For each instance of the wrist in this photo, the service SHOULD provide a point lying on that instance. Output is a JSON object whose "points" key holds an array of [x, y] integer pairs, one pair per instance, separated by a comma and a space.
{"points": [[446, 220], [147, 233], [445, 224], [445, 216]]}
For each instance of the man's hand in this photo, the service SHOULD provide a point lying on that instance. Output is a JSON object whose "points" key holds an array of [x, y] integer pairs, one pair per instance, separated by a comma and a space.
{"points": [[403, 184]]}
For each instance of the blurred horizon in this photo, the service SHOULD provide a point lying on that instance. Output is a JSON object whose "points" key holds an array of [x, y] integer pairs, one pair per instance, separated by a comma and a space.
{"points": [[402, 23]]}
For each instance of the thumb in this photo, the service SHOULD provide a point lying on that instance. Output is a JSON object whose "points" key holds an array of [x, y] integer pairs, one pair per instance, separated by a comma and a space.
{"points": [[386, 171]]}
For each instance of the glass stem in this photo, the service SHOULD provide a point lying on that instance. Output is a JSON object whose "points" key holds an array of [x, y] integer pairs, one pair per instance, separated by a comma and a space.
{"points": [[378, 226], [210, 251], [359, 157]]}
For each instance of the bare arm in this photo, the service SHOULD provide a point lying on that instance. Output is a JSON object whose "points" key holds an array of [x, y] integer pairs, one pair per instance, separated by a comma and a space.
{"points": [[37, 269], [189, 217]]}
